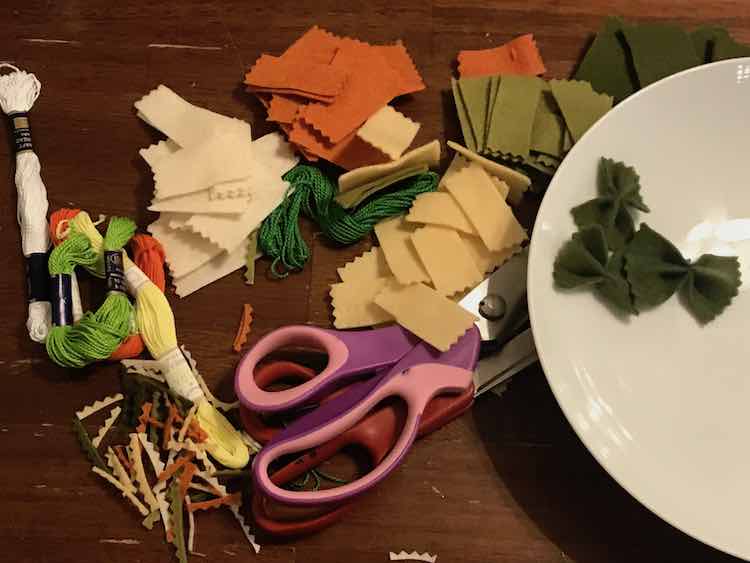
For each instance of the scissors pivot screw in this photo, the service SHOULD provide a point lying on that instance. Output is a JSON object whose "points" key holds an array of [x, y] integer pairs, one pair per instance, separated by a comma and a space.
{"points": [[493, 307]]}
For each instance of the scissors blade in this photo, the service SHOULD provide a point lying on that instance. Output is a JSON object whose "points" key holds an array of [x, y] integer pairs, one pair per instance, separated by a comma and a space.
{"points": [[509, 283], [517, 354]]}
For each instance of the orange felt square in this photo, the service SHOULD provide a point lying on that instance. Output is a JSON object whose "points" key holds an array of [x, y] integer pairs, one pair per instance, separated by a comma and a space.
{"points": [[351, 152], [282, 109], [398, 57], [372, 83], [519, 56], [307, 79], [315, 45]]}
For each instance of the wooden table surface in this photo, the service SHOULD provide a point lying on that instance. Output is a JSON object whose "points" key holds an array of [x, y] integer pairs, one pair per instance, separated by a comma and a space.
{"points": [[509, 481]]}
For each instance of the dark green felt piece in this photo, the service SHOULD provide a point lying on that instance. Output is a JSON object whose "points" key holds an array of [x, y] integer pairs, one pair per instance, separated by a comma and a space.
{"points": [[727, 48], [607, 64], [704, 39], [618, 186], [659, 50], [475, 93], [656, 270], [584, 261], [463, 116]]}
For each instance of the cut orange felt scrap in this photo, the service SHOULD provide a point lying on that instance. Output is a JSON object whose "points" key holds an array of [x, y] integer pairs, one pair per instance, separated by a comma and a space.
{"points": [[372, 83], [283, 109], [519, 56], [307, 79], [349, 153], [315, 45], [399, 59]]}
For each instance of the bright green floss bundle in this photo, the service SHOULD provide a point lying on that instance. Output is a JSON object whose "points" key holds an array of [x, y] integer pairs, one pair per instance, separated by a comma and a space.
{"points": [[312, 193], [98, 333]]}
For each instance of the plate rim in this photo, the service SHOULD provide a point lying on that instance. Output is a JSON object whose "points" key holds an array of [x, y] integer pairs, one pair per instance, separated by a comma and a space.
{"points": [[533, 274]]}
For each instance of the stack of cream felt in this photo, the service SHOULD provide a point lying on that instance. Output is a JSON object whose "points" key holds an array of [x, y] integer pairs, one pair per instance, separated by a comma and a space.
{"points": [[213, 186]]}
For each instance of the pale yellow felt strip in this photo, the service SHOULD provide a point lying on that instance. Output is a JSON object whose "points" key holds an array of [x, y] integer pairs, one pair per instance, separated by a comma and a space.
{"points": [[486, 209], [228, 231], [151, 453], [369, 265], [113, 414], [389, 131], [185, 251], [458, 163], [432, 317], [249, 536], [444, 255], [201, 202], [501, 186], [216, 268], [273, 155], [117, 485], [485, 259], [353, 303], [186, 423], [96, 406], [140, 473], [440, 208], [517, 182], [428, 154], [164, 512], [191, 525], [219, 158], [156, 152], [184, 123], [395, 240], [119, 471]]}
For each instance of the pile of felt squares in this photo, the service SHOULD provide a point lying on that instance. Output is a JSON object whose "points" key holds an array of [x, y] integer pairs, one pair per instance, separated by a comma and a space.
{"points": [[213, 186], [330, 96], [509, 113], [627, 56]]}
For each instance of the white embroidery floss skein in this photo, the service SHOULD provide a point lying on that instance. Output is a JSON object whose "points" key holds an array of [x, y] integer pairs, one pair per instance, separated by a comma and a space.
{"points": [[18, 92]]}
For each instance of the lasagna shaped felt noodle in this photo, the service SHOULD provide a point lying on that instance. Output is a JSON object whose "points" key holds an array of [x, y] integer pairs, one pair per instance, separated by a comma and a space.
{"points": [[580, 105], [389, 131], [486, 209], [513, 115], [400, 255], [444, 256], [316, 81], [519, 56], [354, 302], [440, 208], [368, 265]]}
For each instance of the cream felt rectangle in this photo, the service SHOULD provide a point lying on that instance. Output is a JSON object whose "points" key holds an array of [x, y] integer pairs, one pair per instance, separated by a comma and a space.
{"points": [[432, 317], [394, 236], [353, 302], [200, 202], [485, 259], [428, 154], [185, 251], [440, 208], [444, 256], [219, 158], [501, 186], [186, 124], [154, 153], [227, 231], [389, 131], [517, 182], [175, 221], [486, 209], [270, 152], [455, 166], [216, 268], [368, 265]]}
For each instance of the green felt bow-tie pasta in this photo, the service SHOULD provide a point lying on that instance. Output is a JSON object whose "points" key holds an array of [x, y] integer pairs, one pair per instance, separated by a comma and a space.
{"points": [[656, 270], [619, 189], [585, 261]]}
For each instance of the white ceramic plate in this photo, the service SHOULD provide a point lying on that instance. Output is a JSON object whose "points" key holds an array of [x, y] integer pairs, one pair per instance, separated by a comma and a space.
{"points": [[661, 402]]}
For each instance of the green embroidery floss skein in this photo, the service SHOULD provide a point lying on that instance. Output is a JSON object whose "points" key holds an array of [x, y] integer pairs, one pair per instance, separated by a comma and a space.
{"points": [[313, 195], [97, 334]]}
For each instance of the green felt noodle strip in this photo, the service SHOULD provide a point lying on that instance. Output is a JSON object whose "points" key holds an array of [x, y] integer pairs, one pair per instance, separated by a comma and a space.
{"points": [[355, 196], [178, 528], [727, 48], [548, 132], [87, 446], [494, 87], [656, 270], [475, 92], [463, 116], [311, 194], [584, 262], [619, 189], [704, 38], [513, 115], [580, 105], [659, 50], [252, 251]]}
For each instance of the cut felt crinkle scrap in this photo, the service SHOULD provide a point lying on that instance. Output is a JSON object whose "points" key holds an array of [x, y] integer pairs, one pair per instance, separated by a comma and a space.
{"points": [[463, 116], [307, 79], [401, 256], [519, 56], [444, 255], [349, 153], [185, 251], [428, 155], [389, 131], [475, 93], [200, 202], [283, 109], [580, 105], [513, 115], [368, 265], [440, 208], [353, 302]]}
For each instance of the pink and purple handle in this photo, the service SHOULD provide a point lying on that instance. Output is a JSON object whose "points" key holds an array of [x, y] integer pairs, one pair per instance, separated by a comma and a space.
{"points": [[350, 356], [419, 376]]}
